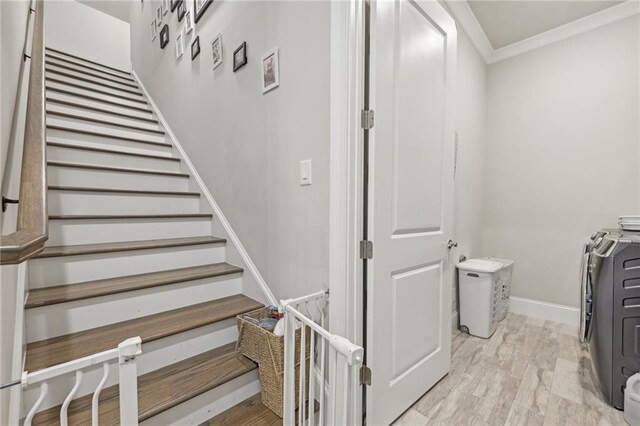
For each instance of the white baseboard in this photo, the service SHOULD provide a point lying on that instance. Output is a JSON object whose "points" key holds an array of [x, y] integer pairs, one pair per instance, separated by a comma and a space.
{"points": [[544, 310], [455, 321]]}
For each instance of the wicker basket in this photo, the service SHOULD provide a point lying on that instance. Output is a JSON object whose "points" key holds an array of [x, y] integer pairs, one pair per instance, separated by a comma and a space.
{"points": [[267, 350]]}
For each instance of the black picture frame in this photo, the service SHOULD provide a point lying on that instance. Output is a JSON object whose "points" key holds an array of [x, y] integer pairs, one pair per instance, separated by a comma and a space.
{"points": [[195, 48], [182, 9], [203, 9], [174, 4], [164, 36], [242, 61]]}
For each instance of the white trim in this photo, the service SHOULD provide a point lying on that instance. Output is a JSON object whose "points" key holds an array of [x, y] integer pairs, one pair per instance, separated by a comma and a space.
{"points": [[465, 17], [455, 321], [19, 343], [544, 310], [205, 191], [588, 23]]}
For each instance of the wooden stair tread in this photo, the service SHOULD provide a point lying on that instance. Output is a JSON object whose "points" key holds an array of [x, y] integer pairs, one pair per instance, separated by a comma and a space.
{"points": [[111, 151], [59, 64], [60, 52], [105, 135], [82, 249], [101, 121], [250, 412], [99, 110], [123, 191], [86, 290], [49, 352], [115, 169], [133, 98], [131, 89], [162, 389], [126, 216], [99, 100]]}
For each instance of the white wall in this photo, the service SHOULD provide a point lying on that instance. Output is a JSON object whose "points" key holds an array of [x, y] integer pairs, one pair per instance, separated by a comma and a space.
{"points": [[471, 116], [86, 32], [563, 156], [248, 146]]}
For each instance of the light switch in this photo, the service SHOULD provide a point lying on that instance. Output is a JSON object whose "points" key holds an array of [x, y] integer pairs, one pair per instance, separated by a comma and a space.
{"points": [[305, 173]]}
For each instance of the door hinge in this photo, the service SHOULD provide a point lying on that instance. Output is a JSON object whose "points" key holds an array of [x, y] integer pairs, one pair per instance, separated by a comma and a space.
{"points": [[367, 119], [365, 375], [366, 249]]}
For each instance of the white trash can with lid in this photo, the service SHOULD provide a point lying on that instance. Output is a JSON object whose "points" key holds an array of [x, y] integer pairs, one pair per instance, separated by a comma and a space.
{"points": [[480, 296], [505, 285]]}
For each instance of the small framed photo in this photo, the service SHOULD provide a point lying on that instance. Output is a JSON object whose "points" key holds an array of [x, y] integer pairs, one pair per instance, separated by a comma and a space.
{"points": [[240, 57], [154, 30], [159, 15], [195, 48], [188, 22], [165, 6], [181, 10], [174, 4], [199, 7], [164, 36], [179, 45], [216, 50], [270, 71]]}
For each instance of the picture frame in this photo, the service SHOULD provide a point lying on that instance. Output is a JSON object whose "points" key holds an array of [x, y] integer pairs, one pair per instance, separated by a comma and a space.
{"points": [[154, 30], [174, 4], [240, 56], [216, 50], [199, 8], [181, 10], [188, 22], [270, 70], [195, 48], [159, 15], [179, 45], [164, 36], [166, 4]]}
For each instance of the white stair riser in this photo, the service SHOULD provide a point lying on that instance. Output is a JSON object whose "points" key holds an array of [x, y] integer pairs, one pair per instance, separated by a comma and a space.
{"points": [[53, 107], [155, 355], [64, 318], [70, 176], [70, 155], [90, 141], [56, 69], [75, 269], [61, 58], [119, 132], [51, 95], [201, 408], [81, 203], [75, 232], [128, 93], [88, 92]]}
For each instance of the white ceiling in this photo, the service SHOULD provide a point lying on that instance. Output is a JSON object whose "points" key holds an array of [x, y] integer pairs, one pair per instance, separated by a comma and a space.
{"points": [[509, 21], [116, 8]]}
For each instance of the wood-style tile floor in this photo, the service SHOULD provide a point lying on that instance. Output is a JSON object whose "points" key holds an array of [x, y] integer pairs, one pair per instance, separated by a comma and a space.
{"points": [[530, 372]]}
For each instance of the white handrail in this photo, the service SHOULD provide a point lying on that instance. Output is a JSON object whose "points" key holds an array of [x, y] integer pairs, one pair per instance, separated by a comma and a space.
{"points": [[343, 359], [125, 353]]}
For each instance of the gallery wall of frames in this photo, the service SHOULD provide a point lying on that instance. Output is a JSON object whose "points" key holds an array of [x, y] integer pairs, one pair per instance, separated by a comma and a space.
{"points": [[188, 13]]}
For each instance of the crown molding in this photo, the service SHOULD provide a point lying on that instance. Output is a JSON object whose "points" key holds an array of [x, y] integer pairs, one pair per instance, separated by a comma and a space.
{"points": [[466, 19]]}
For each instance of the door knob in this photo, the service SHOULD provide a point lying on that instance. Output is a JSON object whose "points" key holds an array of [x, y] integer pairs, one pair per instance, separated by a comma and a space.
{"points": [[451, 244]]}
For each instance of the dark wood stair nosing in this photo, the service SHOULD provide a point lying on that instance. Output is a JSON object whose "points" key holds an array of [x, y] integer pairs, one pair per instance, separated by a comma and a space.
{"points": [[53, 295], [105, 135], [97, 83], [110, 151], [94, 90], [115, 169], [104, 122], [98, 100], [100, 110], [101, 248], [60, 52], [123, 191]]}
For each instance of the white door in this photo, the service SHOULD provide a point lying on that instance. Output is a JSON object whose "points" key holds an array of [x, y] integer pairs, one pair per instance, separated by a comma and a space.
{"points": [[411, 166]]}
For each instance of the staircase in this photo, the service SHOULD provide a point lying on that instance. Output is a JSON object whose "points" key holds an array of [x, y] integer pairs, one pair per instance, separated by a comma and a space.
{"points": [[131, 253]]}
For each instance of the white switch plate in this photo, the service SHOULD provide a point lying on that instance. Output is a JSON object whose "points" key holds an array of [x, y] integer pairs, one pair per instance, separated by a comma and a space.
{"points": [[305, 173]]}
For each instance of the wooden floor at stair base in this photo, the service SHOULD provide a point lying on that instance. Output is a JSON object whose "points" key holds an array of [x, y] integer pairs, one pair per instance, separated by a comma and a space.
{"points": [[160, 390]]}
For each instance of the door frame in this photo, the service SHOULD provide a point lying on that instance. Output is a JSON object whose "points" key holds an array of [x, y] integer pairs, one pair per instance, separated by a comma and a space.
{"points": [[345, 174]]}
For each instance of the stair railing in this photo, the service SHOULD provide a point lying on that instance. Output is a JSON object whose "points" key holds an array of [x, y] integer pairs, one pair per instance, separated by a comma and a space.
{"points": [[125, 353], [331, 357], [32, 227]]}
